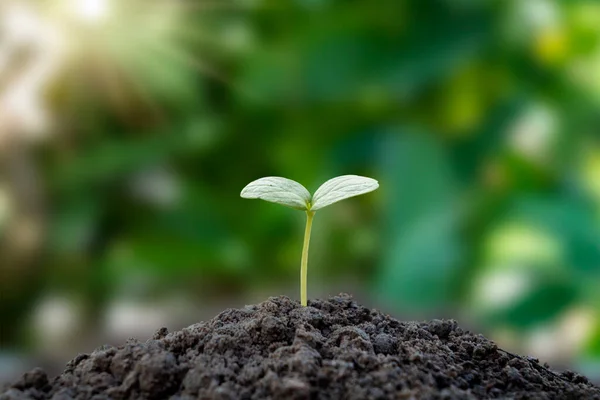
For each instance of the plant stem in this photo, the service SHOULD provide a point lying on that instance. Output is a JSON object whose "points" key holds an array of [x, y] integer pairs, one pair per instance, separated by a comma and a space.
{"points": [[304, 265]]}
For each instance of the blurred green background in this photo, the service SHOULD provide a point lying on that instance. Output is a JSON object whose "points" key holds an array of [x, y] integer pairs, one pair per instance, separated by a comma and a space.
{"points": [[128, 129]]}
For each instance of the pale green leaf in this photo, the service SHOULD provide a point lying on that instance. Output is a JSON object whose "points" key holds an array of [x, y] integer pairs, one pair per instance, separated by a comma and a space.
{"points": [[341, 188], [278, 190]]}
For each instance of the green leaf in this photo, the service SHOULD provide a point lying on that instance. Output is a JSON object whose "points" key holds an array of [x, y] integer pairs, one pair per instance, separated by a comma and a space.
{"points": [[341, 188], [424, 249], [278, 190], [544, 303]]}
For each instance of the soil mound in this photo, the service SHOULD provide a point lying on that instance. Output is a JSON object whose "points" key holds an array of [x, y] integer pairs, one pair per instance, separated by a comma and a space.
{"points": [[332, 349]]}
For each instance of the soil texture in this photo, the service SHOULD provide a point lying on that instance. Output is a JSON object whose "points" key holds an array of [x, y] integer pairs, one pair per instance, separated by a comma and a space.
{"points": [[332, 349]]}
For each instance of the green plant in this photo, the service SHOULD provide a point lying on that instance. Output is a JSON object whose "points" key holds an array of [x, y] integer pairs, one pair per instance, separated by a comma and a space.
{"points": [[292, 194]]}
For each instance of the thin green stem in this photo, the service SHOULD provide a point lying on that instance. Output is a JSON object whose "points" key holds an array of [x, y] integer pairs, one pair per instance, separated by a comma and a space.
{"points": [[304, 265]]}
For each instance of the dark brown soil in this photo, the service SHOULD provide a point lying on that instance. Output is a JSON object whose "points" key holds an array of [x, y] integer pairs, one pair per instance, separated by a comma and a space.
{"points": [[332, 349]]}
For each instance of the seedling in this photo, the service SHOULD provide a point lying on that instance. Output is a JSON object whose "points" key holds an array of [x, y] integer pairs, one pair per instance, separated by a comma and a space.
{"points": [[292, 194]]}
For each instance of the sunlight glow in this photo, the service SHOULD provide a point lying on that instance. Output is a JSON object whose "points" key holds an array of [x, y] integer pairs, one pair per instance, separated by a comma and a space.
{"points": [[22, 107], [90, 11], [131, 52]]}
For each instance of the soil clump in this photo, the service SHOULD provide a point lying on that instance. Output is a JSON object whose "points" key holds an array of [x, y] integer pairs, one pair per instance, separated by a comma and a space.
{"points": [[332, 349]]}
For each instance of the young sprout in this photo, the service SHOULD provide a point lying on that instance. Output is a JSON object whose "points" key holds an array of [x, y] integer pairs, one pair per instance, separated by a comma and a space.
{"points": [[292, 194]]}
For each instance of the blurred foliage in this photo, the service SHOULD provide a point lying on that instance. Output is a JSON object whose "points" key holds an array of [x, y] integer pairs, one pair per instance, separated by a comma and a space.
{"points": [[479, 118]]}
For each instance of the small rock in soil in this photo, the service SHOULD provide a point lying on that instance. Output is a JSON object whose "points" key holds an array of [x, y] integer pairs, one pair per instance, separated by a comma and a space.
{"points": [[333, 349]]}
